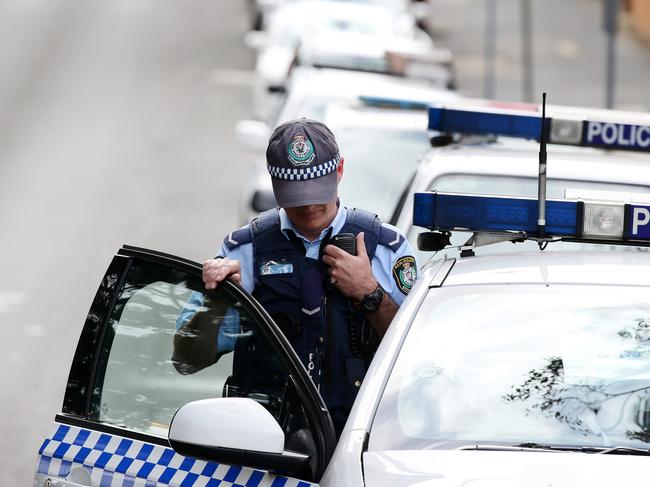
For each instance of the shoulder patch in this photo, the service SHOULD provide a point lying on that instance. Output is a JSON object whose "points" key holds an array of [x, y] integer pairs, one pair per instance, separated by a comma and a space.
{"points": [[238, 237], [390, 237], [405, 273]]}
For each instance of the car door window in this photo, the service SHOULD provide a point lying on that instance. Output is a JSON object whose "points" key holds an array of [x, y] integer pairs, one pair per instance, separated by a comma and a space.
{"points": [[141, 380]]}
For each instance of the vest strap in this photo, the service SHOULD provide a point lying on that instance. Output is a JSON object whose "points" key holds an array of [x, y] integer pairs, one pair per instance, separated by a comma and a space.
{"points": [[267, 220]]}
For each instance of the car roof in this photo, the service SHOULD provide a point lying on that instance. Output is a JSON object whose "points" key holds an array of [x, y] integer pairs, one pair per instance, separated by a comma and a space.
{"points": [[307, 80], [618, 268], [310, 84]]}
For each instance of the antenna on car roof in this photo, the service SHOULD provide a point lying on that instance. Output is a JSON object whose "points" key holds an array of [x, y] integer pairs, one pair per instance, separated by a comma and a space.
{"points": [[541, 181]]}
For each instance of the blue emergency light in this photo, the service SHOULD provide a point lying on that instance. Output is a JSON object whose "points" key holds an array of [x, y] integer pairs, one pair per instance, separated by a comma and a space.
{"points": [[570, 220], [388, 102], [586, 133]]}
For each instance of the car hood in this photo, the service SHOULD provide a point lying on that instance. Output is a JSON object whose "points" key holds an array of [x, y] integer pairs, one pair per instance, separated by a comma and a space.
{"points": [[435, 468]]}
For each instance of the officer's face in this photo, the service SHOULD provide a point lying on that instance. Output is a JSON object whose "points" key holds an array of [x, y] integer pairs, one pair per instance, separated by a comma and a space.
{"points": [[312, 219]]}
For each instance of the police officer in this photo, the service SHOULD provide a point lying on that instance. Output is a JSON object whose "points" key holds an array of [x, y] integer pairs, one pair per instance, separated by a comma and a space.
{"points": [[332, 306]]}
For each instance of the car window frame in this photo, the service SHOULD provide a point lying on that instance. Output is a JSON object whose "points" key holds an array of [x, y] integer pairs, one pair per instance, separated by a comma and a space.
{"points": [[78, 395]]}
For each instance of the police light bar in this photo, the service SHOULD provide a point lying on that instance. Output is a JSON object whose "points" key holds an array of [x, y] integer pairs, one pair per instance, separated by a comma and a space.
{"points": [[568, 220], [388, 102], [587, 133]]}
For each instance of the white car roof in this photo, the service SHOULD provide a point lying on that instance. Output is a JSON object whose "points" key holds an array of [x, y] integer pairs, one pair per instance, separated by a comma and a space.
{"points": [[326, 83], [332, 81]]}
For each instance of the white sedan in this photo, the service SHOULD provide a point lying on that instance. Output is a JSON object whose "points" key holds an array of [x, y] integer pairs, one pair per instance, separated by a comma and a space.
{"points": [[296, 22], [522, 369]]}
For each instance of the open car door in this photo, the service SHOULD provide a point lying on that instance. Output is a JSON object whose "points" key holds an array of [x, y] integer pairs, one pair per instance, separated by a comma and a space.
{"points": [[175, 385]]}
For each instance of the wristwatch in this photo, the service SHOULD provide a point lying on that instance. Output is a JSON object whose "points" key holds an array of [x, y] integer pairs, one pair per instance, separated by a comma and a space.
{"points": [[372, 300]]}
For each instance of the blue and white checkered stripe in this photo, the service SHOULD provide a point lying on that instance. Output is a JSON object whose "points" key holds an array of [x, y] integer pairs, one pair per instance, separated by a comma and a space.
{"points": [[114, 461], [304, 173]]}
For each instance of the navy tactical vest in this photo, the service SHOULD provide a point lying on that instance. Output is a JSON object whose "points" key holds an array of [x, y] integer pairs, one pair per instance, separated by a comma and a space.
{"points": [[329, 333]]}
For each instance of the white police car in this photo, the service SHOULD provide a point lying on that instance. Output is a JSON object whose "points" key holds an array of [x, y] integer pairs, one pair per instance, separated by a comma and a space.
{"points": [[481, 151], [503, 370]]}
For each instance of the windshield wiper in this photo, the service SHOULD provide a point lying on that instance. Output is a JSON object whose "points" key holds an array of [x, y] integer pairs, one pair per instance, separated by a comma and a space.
{"points": [[522, 447], [615, 450]]}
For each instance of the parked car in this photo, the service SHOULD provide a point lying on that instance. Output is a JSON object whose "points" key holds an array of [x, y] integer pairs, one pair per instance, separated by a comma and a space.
{"points": [[500, 370], [278, 49]]}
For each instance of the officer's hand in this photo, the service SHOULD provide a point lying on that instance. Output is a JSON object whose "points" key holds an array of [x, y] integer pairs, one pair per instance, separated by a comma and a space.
{"points": [[350, 274], [217, 270]]}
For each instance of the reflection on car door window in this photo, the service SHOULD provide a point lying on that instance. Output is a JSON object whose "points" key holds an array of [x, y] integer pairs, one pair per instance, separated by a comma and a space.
{"points": [[141, 380]]}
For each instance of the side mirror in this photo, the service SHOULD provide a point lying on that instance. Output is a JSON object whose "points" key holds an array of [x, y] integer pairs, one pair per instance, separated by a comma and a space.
{"points": [[236, 431], [263, 200], [253, 134], [256, 39]]}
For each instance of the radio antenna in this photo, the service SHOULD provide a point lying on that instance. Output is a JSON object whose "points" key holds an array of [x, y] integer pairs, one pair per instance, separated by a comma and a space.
{"points": [[541, 181]]}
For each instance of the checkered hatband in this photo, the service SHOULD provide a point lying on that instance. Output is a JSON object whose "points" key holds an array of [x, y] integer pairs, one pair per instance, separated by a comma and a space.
{"points": [[303, 173]]}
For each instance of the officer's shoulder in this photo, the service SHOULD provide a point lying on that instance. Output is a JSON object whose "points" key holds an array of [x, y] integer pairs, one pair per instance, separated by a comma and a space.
{"points": [[390, 237], [238, 238]]}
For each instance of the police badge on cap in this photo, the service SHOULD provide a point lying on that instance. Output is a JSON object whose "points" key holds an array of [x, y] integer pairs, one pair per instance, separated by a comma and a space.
{"points": [[301, 151]]}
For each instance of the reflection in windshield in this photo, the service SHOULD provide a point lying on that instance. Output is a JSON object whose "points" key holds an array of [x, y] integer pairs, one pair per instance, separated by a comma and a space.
{"points": [[558, 365], [576, 405]]}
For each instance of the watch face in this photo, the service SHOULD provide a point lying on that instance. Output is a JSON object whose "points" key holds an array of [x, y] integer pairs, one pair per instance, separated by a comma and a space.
{"points": [[372, 301]]}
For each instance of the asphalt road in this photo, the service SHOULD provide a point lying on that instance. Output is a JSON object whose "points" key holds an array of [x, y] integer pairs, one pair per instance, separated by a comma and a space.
{"points": [[116, 126]]}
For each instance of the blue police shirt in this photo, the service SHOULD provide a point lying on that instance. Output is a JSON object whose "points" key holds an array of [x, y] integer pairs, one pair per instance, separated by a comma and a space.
{"points": [[383, 268]]}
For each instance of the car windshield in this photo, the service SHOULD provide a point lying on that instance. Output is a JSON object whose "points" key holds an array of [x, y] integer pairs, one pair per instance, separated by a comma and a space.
{"points": [[559, 365], [516, 186], [378, 165], [291, 23]]}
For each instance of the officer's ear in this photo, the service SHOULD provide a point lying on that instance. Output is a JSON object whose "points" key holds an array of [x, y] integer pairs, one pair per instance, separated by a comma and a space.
{"points": [[339, 171]]}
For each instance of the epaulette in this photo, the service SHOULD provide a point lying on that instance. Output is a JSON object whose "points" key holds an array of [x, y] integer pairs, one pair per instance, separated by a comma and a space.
{"points": [[390, 237], [238, 237]]}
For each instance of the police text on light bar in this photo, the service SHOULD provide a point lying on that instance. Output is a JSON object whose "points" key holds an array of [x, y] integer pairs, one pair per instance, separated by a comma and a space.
{"points": [[588, 133]]}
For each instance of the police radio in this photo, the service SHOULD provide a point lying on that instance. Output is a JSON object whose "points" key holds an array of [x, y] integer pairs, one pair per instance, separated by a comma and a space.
{"points": [[345, 241], [363, 342]]}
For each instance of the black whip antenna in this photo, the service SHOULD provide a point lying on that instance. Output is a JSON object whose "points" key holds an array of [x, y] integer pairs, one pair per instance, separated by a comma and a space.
{"points": [[541, 181]]}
